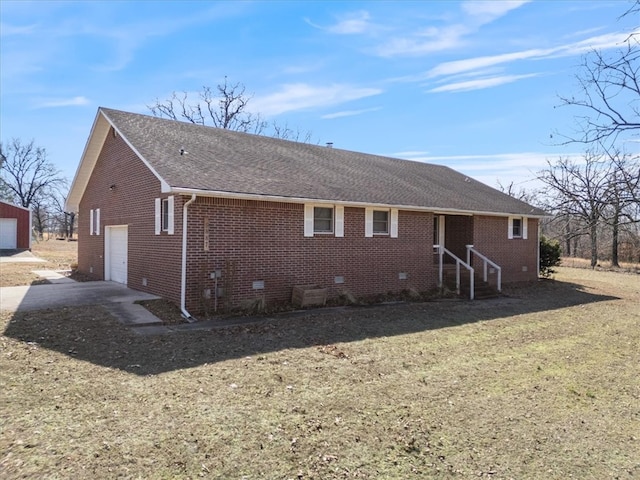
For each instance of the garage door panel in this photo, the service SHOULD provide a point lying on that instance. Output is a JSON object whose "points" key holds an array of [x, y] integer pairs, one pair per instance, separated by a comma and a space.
{"points": [[8, 233]]}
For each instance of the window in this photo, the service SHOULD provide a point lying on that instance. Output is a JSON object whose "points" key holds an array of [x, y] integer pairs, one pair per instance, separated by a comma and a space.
{"points": [[94, 222], [322, 220], [381, 222], [517, 227], [165, 214]]}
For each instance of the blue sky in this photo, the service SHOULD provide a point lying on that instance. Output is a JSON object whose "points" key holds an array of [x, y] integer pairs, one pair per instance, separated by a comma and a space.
{"points": [[470, 84]]}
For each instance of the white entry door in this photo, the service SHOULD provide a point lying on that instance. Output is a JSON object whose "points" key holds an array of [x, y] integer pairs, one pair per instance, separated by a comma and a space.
{"points": [[116, 252], [8, 233]]}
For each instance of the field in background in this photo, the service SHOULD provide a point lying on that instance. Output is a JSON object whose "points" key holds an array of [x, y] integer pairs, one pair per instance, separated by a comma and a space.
{"points": [[542, 383], [625, 267], [60, 255]]}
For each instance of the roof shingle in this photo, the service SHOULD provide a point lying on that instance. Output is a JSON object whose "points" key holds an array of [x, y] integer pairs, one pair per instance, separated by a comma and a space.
{"points": [[219, 160]]}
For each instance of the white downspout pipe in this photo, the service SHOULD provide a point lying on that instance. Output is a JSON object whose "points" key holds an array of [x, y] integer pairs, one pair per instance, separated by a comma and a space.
{"points": [[538, 256], [183, 281]]}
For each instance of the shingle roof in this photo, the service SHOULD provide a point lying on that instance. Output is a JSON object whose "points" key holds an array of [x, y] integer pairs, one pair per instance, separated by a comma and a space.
{"points": [[228, 161]]}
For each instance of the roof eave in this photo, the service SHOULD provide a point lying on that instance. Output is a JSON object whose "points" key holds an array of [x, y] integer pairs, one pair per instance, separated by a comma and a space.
{"points": [[285, 199]]}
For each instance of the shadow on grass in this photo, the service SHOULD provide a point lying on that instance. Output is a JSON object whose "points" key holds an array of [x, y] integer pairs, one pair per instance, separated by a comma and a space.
{"points": [[91, 334]]}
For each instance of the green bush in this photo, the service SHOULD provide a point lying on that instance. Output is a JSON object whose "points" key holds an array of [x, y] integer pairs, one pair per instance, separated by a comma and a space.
{"points": [[549, 256]]}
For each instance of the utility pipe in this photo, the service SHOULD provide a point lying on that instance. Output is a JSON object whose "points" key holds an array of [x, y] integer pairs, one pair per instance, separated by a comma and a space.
{"points": [[183, 286]]}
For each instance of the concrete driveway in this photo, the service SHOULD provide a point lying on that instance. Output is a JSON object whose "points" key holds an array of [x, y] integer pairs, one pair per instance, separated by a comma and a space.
{"points": [[68, 294]]}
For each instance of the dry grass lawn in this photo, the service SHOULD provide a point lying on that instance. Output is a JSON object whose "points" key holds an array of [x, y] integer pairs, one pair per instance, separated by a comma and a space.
{"points": [[542, 383], [59, 254]]}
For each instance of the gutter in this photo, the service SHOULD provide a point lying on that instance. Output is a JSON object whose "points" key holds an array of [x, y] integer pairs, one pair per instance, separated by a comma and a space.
{"points": [[183, 281], [346, 203]]}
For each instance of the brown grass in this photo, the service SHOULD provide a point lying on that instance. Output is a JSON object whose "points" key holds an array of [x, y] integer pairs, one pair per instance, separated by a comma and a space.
{"points": [[625, 267], [60, 255], [540, 384]]}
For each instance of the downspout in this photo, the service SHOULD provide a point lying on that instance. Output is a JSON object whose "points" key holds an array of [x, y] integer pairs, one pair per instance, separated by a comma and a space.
{"points": [[538, 256], [30, 228], [183, 282]]}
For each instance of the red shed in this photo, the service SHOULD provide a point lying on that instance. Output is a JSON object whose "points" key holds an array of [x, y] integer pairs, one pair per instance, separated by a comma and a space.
{"points": [[15, 227]]}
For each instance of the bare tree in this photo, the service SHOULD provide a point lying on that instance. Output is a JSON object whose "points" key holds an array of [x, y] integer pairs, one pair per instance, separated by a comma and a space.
{"points": [[528, 196], [41, 215], [622, 197], [26, 173], [609, 95], [576, 190], [222, 107], [226, 107], [64, 221]]}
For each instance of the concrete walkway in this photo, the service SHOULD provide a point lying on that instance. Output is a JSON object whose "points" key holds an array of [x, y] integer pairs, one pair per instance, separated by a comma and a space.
{"points": [[14, 256], [116, 298], [54, 276]]}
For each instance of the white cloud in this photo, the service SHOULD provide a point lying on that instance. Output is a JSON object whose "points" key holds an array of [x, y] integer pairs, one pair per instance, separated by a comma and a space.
{"points": [[300, 96], [601, 42], [437, 39], [352, 23], [410, 154], [7, 29], [480, 83], [427, 41], [63, 102], [349, 113], [517, 167], [468, 64], [488, 10]]}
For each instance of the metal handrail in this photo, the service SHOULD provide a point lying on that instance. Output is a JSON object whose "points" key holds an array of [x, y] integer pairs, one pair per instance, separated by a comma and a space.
{"points": [[486, 261], [441, 252]]}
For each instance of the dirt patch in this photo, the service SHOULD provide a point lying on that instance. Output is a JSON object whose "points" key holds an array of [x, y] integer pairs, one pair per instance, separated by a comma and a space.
{"points": [[168, 313], [542, 383]]}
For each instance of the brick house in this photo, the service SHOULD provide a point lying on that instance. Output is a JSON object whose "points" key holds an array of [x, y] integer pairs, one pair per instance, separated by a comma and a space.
{"points": [[201, 215], [15, 227]]}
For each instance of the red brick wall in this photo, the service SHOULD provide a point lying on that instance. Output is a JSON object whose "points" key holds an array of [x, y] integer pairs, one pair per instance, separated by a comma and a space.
{"points": [[23, 234], [517, 257], [131, 202], [264, 241], [252, 240]]}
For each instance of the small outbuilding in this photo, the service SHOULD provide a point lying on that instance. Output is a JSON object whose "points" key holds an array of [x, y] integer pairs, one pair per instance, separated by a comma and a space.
{"points": [[15, 227]]}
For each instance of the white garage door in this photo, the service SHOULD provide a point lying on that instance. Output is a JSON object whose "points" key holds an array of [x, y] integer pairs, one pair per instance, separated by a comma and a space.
{"points": [[116, 247], [8, 233]]}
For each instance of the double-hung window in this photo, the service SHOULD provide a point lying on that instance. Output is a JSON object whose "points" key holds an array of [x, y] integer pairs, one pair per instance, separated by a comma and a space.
{"points": [[94, 222], [381, 222], [164, 215], [517, 228], [323, 220]]}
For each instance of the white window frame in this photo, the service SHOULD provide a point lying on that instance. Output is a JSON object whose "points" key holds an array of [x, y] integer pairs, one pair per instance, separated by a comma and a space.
{"points": [[164, 215], [337, 220], [392, 222], [94, 221], [523, 228]]}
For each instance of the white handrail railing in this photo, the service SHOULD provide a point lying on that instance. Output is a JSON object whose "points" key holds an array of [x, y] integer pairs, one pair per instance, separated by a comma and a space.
{"points": [[485, 263], [441, 252]]}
